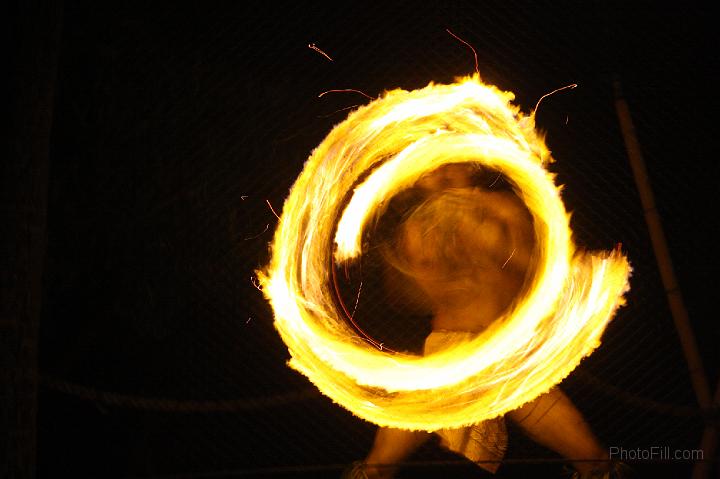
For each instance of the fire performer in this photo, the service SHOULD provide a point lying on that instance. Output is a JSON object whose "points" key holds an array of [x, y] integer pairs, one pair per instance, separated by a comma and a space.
{"points": [[468, 250]]}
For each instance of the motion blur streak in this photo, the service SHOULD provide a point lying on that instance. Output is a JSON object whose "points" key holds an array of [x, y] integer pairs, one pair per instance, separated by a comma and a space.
{"points": [[379, 150]]}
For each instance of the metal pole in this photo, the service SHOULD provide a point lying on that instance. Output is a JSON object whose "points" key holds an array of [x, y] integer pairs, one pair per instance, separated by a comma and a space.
{"points": [[667, 273]]}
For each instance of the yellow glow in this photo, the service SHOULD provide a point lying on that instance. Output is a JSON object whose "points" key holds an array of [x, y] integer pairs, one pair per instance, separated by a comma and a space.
{"points": [[396, 139]]}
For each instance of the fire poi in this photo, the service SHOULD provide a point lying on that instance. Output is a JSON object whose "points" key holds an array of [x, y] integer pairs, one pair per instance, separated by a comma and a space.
{"points": [[379, 150]]}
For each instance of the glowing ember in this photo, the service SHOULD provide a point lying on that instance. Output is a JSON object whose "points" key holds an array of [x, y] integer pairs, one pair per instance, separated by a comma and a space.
{"points": [[396, 139]]}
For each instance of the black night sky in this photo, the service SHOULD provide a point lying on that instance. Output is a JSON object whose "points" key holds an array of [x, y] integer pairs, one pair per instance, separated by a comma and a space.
{"points": [[165, 130]]}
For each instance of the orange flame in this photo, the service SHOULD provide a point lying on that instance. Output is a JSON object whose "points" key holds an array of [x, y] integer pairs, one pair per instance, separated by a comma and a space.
{"points": [[397, 138]]}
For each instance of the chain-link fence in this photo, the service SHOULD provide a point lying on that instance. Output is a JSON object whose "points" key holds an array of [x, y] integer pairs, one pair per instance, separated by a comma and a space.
{"points": [[177, 132]]}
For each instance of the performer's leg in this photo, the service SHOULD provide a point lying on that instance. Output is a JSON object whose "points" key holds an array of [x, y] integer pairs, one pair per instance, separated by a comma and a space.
{"points": [[553, 421], [391, 446]]}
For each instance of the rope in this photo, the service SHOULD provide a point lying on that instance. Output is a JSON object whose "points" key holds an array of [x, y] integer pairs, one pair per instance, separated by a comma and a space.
{"points": [[145, 403]]}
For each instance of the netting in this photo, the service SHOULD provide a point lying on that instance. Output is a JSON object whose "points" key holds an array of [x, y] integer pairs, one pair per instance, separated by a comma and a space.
{"points": [[178, 131]]}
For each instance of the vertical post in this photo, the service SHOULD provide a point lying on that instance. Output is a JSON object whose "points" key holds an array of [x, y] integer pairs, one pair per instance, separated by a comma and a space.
{"points": [[23, 199], [667, 273], [709, 441]]}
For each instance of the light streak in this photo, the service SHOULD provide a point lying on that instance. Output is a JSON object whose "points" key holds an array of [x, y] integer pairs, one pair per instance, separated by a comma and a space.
{"points": [[357, 301], [379, 150], [312, 46], [267, 226], [477, 69], [346, 90], [338, 111], [255, 283], [272, 209], [351, 317], [566, 87], [508, 259]]}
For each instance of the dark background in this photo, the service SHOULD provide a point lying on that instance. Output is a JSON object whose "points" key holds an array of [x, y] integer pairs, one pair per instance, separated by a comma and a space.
{"points": [[166, 129]]}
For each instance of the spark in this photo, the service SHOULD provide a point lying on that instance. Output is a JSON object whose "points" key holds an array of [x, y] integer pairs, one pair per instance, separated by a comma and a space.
{"points": [[272, 209], [259, 234], [357, 300], [338, 111], [255, 283], [312, 46], [477, 69], [242, 197], [566, 87], [349, 316], [346, 90], [507, 260], [495, 180]]}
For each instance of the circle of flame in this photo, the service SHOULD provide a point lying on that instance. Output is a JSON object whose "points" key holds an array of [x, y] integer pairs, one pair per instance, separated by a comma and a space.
{"points": [[385, 147]]}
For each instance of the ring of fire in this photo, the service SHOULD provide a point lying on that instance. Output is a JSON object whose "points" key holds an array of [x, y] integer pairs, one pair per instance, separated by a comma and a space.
{"points": [[379, 150]]}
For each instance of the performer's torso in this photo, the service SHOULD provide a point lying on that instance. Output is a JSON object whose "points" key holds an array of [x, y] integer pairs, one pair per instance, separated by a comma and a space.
{"points": [[472, 262]]}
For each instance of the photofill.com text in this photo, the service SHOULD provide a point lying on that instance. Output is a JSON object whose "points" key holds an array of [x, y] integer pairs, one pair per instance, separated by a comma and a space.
{"points": [[655, 453]]}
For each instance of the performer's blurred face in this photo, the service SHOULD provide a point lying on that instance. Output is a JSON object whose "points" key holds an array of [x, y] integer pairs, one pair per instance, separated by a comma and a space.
{"points": [[454, 175]]}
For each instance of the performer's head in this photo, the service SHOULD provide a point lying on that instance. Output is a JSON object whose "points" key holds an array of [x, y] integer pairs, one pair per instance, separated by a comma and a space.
{"points": [[465, 228], [453, 175]]}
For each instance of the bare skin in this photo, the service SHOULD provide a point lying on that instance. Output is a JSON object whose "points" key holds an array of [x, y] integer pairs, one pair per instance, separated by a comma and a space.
{"points": [[474, 293], [494, 231]]}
